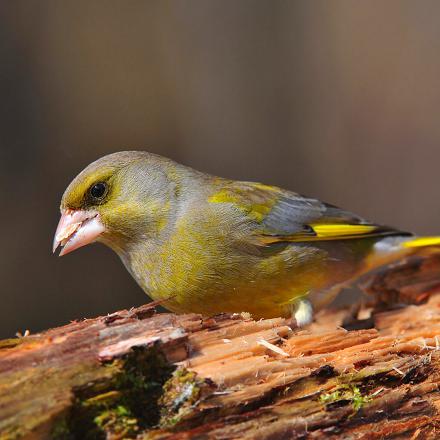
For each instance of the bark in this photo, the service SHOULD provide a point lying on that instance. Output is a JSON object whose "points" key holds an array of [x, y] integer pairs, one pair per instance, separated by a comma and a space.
{"points": [[151, 375]]}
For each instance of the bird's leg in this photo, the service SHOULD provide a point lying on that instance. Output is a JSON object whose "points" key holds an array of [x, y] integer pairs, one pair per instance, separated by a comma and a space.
{"points": [[302, 312]]}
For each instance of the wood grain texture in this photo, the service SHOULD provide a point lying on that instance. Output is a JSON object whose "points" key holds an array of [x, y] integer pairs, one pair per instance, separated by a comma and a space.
{"points": [[141, 374]]}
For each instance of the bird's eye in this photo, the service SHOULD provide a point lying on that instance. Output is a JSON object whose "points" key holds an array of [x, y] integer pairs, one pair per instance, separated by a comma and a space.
{"points": [[98, 190]]}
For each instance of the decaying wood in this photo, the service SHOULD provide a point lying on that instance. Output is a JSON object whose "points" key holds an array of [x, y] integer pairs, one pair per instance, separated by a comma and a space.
{"points": [[143, 374]]}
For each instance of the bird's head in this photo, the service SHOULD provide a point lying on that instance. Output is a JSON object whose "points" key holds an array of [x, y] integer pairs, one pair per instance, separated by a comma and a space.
{"points": [[117, 200]]}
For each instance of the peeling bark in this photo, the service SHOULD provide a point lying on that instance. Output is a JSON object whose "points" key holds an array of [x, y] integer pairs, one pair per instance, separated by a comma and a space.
{"points": [[160, 376]]}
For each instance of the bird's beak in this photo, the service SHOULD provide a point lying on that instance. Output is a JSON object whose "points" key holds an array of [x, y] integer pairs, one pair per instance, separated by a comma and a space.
{"points": [[77, 228]]}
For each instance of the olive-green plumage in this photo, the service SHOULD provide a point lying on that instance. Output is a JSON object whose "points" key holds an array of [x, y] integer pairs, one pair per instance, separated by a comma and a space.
{"points": [[208, 245]]}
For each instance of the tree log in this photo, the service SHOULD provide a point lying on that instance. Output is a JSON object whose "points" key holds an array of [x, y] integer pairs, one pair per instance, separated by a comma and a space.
{"points": [[148, 375]]}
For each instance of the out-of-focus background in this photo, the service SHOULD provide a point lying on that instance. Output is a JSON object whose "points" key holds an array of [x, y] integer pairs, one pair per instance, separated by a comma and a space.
{"points": [[339, 100]]}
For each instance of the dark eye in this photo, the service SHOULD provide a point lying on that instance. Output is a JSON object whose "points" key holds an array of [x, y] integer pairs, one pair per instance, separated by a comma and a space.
{"points": [[98, 190]]}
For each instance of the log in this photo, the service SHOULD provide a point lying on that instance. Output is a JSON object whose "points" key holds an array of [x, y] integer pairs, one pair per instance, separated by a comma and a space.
{"points": [[141, 374]]}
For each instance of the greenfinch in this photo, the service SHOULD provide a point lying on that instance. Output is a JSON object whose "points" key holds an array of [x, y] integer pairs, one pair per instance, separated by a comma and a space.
{"points": [[204, 244]]}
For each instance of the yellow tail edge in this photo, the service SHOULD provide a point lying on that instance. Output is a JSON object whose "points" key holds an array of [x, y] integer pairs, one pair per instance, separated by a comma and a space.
{"points": [[421, 242]]}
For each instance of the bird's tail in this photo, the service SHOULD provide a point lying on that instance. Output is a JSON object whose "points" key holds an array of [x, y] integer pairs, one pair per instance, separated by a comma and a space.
{"points": [[387, 250], [391, 249], [418, 242]]}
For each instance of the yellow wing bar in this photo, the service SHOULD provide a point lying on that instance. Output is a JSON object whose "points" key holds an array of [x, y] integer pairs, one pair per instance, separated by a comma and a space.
{"points": [[422, 241], [341, 230], [322, 232]]}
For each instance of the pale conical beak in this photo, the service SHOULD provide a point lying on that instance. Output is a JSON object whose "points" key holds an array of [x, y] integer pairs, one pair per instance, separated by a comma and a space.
{"points": [[77, 228]]}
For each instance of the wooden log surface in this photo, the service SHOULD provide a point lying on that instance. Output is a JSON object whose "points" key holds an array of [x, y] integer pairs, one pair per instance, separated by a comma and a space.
{"points": [[142, 374]]}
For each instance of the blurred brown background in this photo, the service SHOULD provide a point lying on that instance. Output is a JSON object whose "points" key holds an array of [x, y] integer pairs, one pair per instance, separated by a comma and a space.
{"points": [[338, 100]]}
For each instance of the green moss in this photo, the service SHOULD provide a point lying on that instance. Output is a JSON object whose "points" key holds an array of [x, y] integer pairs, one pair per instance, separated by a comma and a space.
{"points": [[346, 393], [119, 421], [181, 393], [144, 375], [61, 430], [124, 404], [326, 398], [358, 400], [104, 398]]}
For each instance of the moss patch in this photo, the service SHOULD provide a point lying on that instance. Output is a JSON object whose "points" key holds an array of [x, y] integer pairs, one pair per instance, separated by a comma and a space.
{"points": [[181, 394], [122, 406], [345, 394]]}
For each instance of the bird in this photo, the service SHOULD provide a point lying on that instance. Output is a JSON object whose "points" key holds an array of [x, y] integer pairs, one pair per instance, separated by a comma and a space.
{"points": [[203, 244]]}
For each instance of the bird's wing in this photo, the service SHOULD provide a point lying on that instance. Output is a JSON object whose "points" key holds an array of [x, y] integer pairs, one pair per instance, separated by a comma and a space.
{"points": [[284, 216]]}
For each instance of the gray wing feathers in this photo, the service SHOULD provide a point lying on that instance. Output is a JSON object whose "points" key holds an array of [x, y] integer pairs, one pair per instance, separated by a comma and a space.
{"points": [[293, 213]]}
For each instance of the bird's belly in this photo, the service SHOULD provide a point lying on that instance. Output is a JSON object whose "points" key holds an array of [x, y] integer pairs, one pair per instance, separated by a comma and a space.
{"points": [[265, 287]]}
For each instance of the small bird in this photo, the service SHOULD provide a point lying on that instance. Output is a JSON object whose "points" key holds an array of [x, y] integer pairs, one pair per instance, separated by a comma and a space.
{"points": [[209, 245]]}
